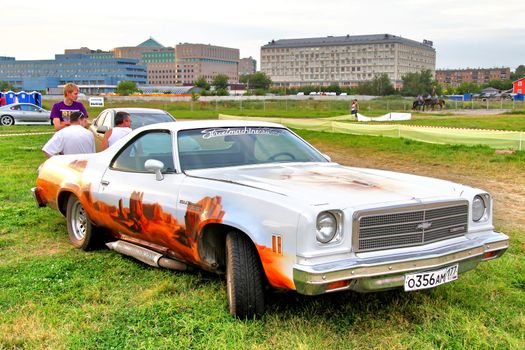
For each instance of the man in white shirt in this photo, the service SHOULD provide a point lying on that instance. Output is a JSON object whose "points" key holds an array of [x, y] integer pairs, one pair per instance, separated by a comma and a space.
{"points": [[121, 129], [74, 139]]}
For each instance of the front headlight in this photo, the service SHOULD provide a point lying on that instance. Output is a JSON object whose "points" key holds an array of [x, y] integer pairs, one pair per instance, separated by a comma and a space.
{"points": [[480, 206], [327, 227]]}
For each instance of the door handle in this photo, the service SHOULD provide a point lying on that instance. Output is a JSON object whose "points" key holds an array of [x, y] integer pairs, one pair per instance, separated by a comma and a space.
{"points": [[104, 182]]}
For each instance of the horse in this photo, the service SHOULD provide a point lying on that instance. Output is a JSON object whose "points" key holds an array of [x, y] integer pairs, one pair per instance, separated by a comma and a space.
{"points": [[420, 105], [429, 102]]}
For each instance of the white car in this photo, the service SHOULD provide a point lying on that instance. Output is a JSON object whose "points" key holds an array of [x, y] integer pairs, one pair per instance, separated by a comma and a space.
{"points": [[255, 201]]}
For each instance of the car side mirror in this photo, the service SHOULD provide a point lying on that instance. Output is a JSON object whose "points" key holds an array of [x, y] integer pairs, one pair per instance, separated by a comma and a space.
{"points": [[156, 167], [102, 129]]}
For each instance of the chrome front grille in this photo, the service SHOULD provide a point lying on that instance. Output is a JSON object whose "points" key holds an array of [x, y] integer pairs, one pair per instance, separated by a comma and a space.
{"points": [[408, 226]]}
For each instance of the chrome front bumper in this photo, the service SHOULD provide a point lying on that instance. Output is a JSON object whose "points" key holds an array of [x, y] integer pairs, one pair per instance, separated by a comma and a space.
{"points": [[388, 271]]}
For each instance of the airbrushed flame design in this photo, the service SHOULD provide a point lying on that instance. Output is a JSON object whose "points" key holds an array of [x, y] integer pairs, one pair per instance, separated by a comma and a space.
{"points": [[274, 265], [149, 222]]}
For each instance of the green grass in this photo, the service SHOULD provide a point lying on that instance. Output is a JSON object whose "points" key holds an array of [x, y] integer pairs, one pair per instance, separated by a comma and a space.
{"points": [[308, 108], [55, 297], [513, 122]]}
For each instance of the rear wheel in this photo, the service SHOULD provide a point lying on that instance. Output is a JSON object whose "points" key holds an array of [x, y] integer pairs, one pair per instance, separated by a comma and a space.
{"points": [[7, 120], [244, 277], [79, 226]]}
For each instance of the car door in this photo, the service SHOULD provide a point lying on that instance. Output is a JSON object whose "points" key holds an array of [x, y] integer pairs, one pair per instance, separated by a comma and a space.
{"points": [[38, 114], [140, 206], [97, 123], [25, 114]]}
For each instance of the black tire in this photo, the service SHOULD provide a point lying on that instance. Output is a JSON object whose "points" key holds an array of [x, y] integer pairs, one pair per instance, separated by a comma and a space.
{"points": [[79, 226], [7, 120], [244, 277]]}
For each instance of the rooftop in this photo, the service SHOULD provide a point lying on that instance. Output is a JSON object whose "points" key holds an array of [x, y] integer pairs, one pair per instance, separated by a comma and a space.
{"points": [[345, 40], [150, 43]]}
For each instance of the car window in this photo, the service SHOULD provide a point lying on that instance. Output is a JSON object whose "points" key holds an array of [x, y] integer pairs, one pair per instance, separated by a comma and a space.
{"points": [[100, 119], [108, 120], [15, 108], [142, 119], [222, 147], [27, 108], [149, 145]]}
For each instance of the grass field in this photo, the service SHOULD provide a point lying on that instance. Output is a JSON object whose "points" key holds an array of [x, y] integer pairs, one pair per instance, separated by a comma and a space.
{"points": [[55, 297], [482, 119]]}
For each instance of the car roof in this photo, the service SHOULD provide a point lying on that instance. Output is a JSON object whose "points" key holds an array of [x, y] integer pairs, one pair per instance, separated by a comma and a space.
{"points": [[210, 123], [19, 104], [138, 110]]}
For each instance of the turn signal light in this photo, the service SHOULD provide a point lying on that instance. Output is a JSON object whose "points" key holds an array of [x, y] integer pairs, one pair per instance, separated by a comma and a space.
{"points": [[337, 285], [490, 255]]}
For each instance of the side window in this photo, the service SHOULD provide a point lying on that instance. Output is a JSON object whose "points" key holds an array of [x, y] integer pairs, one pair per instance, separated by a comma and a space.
{"points": [[108, 120], [100, 119], [150, 145]]}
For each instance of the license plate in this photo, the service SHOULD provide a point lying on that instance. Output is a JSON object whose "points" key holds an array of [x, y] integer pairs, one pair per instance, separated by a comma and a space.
{"points": [[430, 279]]}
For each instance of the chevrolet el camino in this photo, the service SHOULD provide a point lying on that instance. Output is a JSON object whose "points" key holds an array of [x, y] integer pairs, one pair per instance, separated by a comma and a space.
{"points": [[254, 201]]}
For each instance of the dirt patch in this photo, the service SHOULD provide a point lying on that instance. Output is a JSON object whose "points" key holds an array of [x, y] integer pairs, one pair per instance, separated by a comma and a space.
{"points": [[507, 187]]}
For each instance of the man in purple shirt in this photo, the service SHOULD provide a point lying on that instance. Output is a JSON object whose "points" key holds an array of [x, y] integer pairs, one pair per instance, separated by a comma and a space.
{"points": [[62, 110]]}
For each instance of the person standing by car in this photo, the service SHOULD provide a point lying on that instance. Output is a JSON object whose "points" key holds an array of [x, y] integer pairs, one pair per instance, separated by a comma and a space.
{"points": [[121, 129], [61, 111], [355, 107], [74, 139]]}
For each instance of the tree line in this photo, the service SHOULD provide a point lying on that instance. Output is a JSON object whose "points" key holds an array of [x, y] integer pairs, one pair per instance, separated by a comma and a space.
{"points": [[416, 83]]}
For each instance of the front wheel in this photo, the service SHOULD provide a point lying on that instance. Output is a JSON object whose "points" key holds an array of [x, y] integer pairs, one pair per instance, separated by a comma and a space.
{"points": [[79, 226], [244, 277], [7, 120]]}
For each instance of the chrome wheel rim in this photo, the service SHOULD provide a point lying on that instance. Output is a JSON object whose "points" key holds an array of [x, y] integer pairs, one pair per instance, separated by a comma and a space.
{"points": [[6, 121], [79, 221]]}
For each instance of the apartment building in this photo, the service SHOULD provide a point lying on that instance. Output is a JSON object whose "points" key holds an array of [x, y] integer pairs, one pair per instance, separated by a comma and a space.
{"points": [[345, 60], [247, 65], [195, 60], [454, 77]]}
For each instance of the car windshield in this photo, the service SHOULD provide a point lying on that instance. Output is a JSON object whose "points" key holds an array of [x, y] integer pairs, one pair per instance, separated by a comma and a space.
{"points": [[141, 119], [222, 147]]}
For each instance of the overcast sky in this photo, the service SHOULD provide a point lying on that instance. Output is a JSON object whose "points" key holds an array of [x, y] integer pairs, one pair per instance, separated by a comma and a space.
{"points": [[479, 33]]}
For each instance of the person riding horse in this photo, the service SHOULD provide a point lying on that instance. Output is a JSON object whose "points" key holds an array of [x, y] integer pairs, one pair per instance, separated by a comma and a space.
{"points": [[429, 101]]}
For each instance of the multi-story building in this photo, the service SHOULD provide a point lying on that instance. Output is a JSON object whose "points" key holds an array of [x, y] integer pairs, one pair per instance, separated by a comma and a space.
{"points": [[345, 60], [454, 77], [137, 51], [87, 51], [158, 59], [208, 61], [247, 65], [161, 66], [101, 74]]}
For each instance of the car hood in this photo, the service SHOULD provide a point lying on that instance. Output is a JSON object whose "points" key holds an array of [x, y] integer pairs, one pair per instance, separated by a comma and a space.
{"points": [[331, 183]]}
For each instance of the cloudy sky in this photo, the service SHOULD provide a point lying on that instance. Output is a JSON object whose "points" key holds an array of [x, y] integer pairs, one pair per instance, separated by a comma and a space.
{"points": [[479, 33]]}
